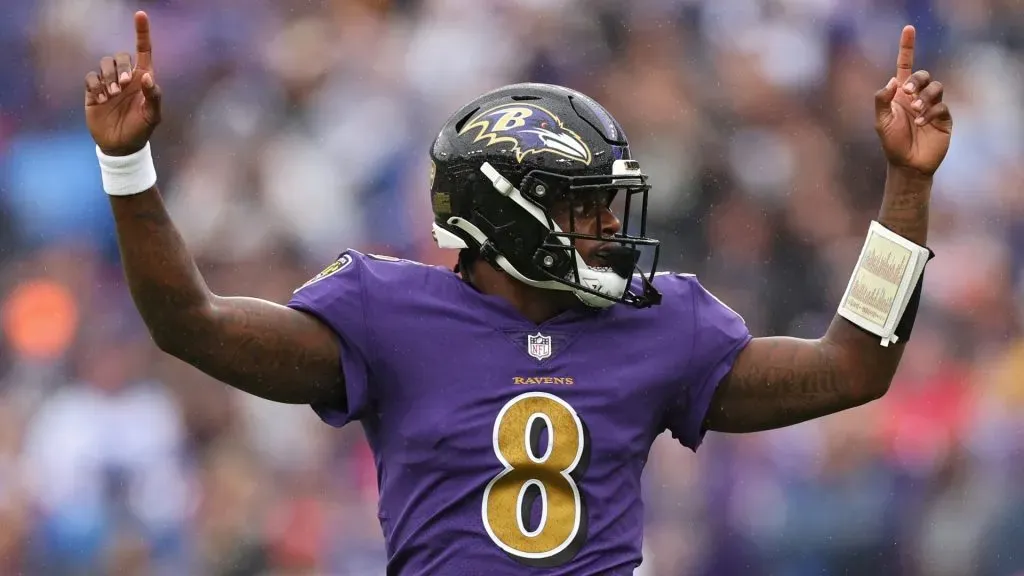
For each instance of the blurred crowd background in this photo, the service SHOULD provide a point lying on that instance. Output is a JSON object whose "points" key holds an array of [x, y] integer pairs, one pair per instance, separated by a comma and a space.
{"points": [[294, 129]]}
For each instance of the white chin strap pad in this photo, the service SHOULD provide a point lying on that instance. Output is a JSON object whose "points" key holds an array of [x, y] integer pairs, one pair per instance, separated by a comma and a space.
{"points": [[605, 282]]}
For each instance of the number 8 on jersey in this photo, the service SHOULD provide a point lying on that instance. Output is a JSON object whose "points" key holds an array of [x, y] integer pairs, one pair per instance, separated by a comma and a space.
{"points": [[509, 497]]}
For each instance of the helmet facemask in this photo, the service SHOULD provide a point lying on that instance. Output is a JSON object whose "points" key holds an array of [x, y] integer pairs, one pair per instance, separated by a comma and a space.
{"points": [[554, 262]]}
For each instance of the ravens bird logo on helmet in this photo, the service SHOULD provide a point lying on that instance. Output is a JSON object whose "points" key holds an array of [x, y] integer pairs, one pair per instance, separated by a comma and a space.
{"points": [[531, 129]]}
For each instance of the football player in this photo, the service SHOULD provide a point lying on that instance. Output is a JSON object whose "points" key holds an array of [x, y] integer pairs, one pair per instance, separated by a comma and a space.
{"points": [[511, 404]]}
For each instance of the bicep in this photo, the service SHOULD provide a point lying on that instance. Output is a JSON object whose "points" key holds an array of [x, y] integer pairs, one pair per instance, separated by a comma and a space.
{"points": [[781, 381], [266, 349]]}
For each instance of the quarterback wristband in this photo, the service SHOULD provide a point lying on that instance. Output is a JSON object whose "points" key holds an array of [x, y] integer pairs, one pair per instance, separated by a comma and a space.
{"points": [[127, 175], [885, 289]]}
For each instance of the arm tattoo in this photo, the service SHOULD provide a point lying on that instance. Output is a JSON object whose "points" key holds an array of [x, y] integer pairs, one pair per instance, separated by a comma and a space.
{"points": [[905, 205], [777, 382]]}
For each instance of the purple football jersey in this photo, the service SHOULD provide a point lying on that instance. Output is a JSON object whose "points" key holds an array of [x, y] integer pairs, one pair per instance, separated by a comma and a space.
{"points": [[505, 447]]}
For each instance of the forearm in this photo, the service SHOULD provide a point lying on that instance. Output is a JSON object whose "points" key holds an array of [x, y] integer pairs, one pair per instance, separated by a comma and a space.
{"points": [[865, 364], [905, 204], [165, 283]]}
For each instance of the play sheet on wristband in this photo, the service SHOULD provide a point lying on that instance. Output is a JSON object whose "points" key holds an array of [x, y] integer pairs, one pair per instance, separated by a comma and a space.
{"points": [[883, 281]]}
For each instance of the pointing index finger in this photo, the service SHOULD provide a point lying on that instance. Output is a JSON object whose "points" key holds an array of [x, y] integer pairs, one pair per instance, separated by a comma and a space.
{"points": [[143, 46], [905, 59]]}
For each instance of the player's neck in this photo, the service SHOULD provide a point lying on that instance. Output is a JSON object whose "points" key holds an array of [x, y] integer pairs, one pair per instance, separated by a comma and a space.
{"points": [[535, 304]]}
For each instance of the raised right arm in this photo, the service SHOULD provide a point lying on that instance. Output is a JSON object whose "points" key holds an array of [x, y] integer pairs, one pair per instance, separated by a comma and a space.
{"points": [[256, 346]]}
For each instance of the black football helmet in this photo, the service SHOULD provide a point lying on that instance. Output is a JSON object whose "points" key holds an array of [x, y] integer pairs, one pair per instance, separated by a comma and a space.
{"points": [[505, 160]]}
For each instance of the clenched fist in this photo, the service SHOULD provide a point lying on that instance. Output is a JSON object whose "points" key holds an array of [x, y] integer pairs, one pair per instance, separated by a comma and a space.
{"points": [[122, 102]]}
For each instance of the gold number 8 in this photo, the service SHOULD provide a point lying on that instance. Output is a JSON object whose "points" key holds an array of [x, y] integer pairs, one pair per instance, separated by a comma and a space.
{"points": [[549, 476]]}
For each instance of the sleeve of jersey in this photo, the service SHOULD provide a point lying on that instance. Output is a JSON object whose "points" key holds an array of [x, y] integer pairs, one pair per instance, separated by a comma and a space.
{"points": [[717, 337], [336, 297]]}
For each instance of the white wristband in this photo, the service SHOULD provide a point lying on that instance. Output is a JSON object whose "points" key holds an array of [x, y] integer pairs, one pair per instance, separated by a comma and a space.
{"points": [[127, 175]]}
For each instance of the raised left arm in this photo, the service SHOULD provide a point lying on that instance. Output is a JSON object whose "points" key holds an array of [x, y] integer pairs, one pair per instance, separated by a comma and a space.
{"points": [[779, 381]]}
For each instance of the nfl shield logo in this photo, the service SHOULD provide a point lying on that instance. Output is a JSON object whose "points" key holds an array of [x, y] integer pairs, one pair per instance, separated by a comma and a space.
{"points": [[539, 346]]}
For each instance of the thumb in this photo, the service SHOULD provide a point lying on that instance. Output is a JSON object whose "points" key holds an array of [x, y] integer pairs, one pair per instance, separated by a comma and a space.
{"points": [[883, 102], [151, 102]]}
